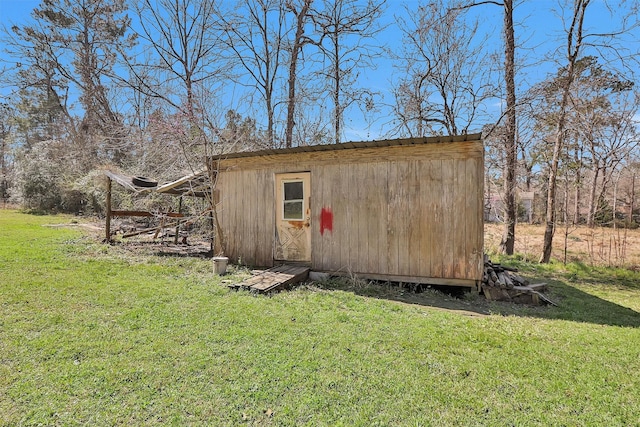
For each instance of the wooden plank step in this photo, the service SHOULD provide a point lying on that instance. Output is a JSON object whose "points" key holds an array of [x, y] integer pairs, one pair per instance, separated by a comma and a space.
{"points": [[276, 278]]}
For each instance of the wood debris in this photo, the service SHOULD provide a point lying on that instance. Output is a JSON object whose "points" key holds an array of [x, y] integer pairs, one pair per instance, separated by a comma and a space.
{"points": [[500, 276], [502, 283]]}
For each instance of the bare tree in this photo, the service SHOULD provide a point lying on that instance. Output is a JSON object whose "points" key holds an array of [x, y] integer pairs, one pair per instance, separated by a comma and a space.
{"points": [[172, 84], [255, 34], [610, 148], [600, 109], [447, 72], [508, 238], [347, 28], [184, 71], [302, 16], [576, 41], [181, 35], [633, 170], [575, 38], [510, 144]]}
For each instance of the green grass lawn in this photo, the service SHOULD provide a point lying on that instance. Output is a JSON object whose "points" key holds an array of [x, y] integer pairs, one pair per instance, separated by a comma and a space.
{"points": [[92, 334]]}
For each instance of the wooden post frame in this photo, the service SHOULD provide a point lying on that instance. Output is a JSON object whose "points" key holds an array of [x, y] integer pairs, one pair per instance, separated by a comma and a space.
{"points": [[175, 240], [108, 209], [193, 185]]}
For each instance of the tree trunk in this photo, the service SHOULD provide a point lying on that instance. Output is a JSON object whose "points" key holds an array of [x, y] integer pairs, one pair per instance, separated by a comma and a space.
{"points": [[3, 168], [573, 51], [336, 93], [614, 201], [550, 215], [606, 180], [591, 212], [566, 217], [298, 43], [528, 168], [508, 239], [631, 203], [576, 200]]}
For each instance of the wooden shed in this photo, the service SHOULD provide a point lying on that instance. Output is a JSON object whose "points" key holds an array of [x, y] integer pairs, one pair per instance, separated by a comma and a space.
{"points": [[408, 210]]}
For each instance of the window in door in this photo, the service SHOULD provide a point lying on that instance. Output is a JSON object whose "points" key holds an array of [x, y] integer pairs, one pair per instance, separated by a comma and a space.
{"points": [[293, 203]]}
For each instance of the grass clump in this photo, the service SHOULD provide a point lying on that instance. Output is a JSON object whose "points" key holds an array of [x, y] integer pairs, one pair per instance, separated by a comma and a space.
{"points": [[90, 335]]}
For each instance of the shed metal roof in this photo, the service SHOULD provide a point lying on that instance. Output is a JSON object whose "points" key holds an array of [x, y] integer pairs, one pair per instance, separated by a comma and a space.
{"points": [[352, 145]]}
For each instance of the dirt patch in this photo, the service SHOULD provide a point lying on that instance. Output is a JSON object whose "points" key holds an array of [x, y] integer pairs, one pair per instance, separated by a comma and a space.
{"points": [[90, 227], [144, 244], [166, 248]]}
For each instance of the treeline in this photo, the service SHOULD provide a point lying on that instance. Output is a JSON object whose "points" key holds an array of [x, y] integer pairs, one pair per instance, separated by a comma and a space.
{"points": [[154, 86], [598, 163]]}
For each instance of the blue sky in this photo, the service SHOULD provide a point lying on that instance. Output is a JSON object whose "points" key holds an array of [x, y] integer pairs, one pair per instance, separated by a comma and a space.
{"points": [[539, 32], [16, 10]]}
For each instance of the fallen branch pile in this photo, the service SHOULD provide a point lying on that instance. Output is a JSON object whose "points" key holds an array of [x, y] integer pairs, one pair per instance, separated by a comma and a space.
{"points": [[501, 283], [499, 276]]}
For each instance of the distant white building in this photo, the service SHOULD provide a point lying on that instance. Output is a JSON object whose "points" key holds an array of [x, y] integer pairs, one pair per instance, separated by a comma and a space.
{"points": [[494, 207]]}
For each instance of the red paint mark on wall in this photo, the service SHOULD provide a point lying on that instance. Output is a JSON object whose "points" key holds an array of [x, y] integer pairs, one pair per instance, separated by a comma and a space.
{"points": [[326, 220]]}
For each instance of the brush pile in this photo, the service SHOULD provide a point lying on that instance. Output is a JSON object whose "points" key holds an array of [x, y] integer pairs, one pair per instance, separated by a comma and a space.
{"points": [[500, 276], [501, 283]]}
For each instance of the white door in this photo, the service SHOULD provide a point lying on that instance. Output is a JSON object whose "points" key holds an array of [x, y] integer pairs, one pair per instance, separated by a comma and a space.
{"points": [[293, 217]]}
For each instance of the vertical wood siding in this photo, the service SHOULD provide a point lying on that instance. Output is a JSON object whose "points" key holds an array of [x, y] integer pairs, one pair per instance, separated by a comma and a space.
{"points": [[397, 211], [247, 215]]}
